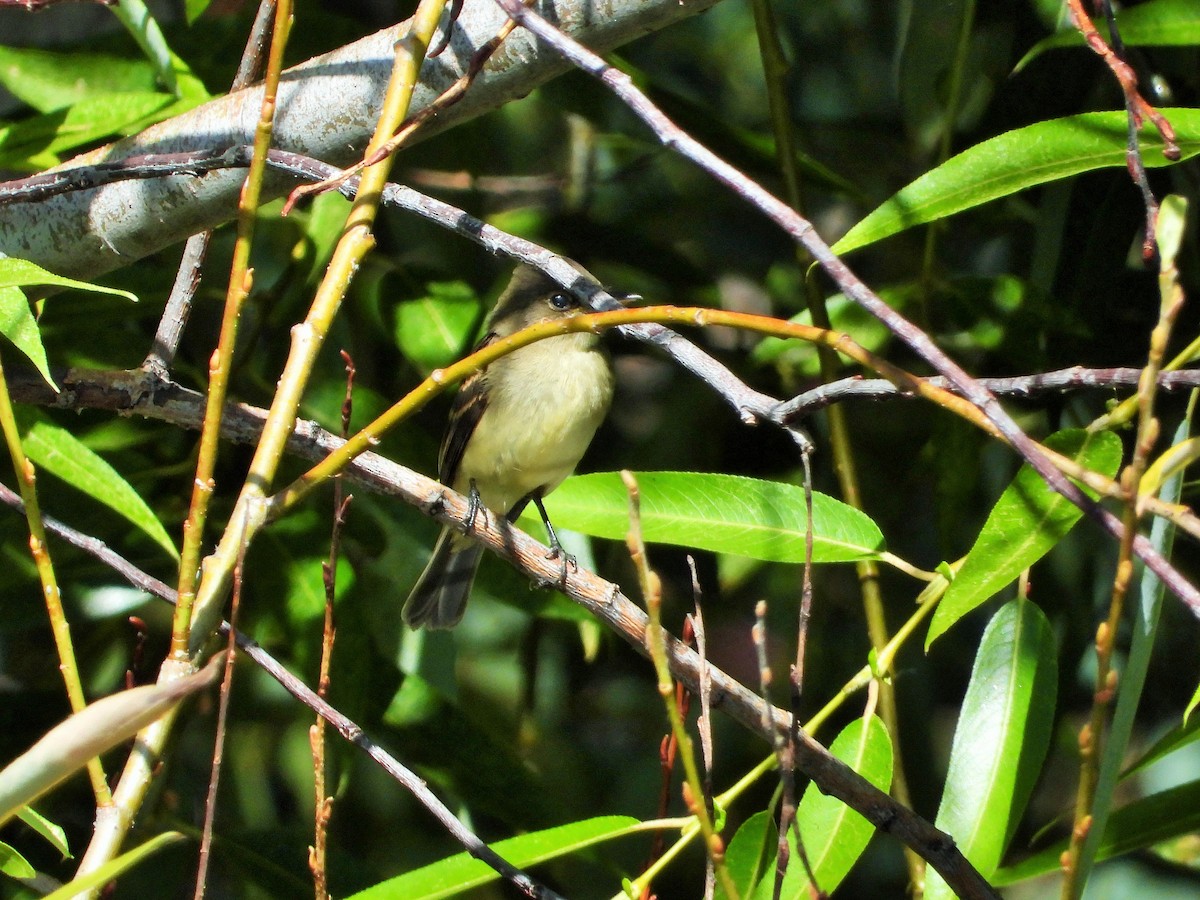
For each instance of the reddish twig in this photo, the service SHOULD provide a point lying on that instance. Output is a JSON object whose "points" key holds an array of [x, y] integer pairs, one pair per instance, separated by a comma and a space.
{"points": [[323, 803], [214, 781], [1137, 109]]}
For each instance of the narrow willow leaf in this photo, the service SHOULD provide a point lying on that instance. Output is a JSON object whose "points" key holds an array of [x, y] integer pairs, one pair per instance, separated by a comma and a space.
{"points": [[1175, 739], [1014, 161], [56, 450], [1025, 523], [13, 864], [723, 513], [750, 854], [1144, 627], [48, 80], [68, 746], [461, 872], [1143, 823], [835, 835], [23, 273], [433, 330], [19, 326], [1001, 738], [113, 868], [29, 140], [138, 21], [54, 834], [1160, 23]]}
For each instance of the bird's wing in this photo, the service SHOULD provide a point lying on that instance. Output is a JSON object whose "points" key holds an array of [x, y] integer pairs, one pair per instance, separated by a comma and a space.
{"points": [[469, 405]]}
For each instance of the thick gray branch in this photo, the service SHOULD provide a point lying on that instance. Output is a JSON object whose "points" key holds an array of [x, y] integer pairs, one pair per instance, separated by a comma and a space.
{"points": [[327, 110]]}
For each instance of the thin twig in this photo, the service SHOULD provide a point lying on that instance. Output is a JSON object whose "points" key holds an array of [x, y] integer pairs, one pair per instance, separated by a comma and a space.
{"points": [[214, 781], [68, 665], [1137, 108], [322, 802], [221, 362], [693, 789], [704, 722], [1091, 736]]}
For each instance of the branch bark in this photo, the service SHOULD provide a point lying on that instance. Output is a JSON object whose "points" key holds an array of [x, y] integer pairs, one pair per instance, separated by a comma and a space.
{"points": [[327, 110]]}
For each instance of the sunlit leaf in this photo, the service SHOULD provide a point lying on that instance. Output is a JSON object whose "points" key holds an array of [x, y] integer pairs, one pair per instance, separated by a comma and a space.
{"points": [[110, 870], [25, 143], [13, 864], [54, 834], [1001, 738], [1016, 160], [462, 872], [1026, 522], [835, 835], [68, 746], [723, 513], [23, 273], [1159, 23], [20, 327], [750, 854], [54, 449]]}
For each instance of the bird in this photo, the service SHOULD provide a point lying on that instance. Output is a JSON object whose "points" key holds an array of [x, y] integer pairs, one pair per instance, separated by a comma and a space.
{"points": [[518, 427]]}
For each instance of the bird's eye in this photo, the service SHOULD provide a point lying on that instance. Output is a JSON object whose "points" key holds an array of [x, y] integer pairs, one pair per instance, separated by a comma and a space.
{"points": [[561, 301]]}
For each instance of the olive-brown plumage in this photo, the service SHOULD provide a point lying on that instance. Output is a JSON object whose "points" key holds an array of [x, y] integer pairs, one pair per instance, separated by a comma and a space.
{"points": [[518, 428]]}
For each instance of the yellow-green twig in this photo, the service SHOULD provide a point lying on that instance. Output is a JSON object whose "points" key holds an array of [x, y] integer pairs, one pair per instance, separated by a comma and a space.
{"points": [[27, 480], [221, 362], [656, 646]]}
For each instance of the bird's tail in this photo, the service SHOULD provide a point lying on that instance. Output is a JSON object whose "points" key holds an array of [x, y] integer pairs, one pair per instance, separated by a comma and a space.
{"points": [[440, 595]]}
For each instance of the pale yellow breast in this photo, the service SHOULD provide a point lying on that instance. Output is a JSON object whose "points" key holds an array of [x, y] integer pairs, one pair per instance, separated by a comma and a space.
{"points": [[543, 409]]}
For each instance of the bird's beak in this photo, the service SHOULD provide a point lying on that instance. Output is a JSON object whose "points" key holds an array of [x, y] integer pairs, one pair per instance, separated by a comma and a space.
{"points": [[626, 299]]}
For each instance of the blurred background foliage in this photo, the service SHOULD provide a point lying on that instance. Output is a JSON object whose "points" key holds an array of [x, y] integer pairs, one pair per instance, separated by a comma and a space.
{"points": [[524, 721]]}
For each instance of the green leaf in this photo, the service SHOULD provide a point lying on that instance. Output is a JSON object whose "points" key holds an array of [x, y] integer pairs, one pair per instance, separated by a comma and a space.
{"points": [[750, 854], [48, 80], [1001, 738], [13, 864], [844, 315], [1025, 523], [1177, 738], [433, 330], [1143, 823], [1161, 23], [28, 142], [113, 868], [462, 872], [195, 9], [138, 21], [23, 273], [722, 513], [1146, 603], [56, 450], [68, 746], [835, 835], [19, 326], [53, 833], [1014, 161]]}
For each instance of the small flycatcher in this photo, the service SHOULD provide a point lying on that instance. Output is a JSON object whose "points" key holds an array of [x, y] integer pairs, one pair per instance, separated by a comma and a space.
{"points": [[518, 428]]}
